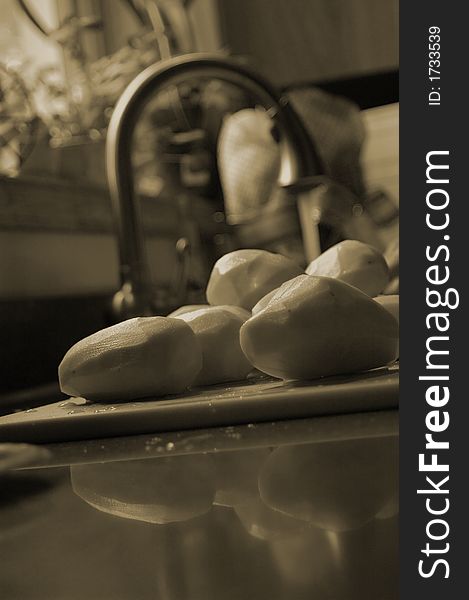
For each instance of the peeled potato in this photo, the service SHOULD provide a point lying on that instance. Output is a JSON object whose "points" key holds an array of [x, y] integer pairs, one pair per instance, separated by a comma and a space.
{"points": [[355, 263], [318, 326], [390, 303], [185, 309], [263, 302], [243, 277], [141, 357], [393, 286], [217, 331]]}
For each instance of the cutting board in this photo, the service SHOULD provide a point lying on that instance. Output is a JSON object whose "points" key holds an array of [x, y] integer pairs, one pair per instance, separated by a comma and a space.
{"points": [[252, 401]]}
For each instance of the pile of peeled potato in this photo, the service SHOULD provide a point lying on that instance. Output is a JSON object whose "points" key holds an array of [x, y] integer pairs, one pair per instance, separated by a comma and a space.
{"points": [[263, 312]]}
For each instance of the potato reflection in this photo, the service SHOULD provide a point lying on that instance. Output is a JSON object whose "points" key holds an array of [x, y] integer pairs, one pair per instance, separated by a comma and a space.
{"points": [[353, 565], [310, 520], [338, 486], [310, 561], [162, 490], [263, 523], [237, 475], [390, 509]]}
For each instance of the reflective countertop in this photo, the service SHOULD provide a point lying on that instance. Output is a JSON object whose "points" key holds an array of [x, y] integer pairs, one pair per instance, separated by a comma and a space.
{"points": [[296, 509]]}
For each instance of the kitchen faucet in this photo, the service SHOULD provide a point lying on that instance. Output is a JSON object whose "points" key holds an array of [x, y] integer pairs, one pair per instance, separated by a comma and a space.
{"points": [[299, 169]]}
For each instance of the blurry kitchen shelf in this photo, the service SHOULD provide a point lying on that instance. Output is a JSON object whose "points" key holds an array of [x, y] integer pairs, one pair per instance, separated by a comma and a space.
{"points": [[47, 204]]}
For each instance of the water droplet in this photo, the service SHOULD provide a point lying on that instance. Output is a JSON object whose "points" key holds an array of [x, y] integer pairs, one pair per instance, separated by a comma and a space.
{"points": [[73, 403], [153, 441], [104, 409]]}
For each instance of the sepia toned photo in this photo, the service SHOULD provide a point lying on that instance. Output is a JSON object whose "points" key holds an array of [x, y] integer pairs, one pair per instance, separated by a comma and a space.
{"points": [[199, 299]]}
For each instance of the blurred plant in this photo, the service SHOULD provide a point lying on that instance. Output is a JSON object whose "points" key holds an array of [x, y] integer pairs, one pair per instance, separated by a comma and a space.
{"points": [[77, 108], [76, 103], [18, 122]]}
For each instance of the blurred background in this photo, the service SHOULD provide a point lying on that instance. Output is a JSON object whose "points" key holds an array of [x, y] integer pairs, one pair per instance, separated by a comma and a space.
{"points": [[198, 194]]}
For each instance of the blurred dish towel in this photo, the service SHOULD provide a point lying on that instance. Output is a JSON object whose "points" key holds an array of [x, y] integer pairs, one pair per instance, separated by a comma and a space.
{"points": [[249, 160]]}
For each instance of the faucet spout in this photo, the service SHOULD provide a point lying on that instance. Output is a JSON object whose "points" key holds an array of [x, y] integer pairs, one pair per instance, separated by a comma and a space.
{"points": [[135, 295]]}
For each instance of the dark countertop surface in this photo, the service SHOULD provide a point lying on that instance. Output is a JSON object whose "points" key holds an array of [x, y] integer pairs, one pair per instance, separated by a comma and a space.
{"points": [[296, 509]]}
